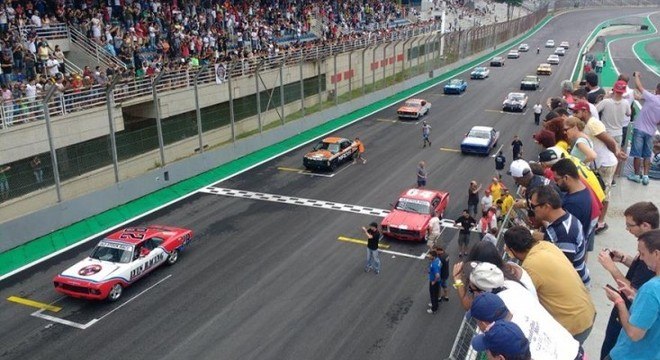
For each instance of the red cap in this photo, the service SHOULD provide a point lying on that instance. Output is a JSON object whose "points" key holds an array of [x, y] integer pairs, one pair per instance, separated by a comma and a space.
{"points": [[581, 105], [619, 87]]}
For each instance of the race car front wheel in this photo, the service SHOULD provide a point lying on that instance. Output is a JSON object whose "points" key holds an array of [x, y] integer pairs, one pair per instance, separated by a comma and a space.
{"points": [[115, 292], [174, 256]]}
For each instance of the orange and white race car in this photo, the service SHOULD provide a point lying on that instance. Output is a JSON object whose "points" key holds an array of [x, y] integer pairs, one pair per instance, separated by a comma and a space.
{"points": [[414, 109], [329, 153]]}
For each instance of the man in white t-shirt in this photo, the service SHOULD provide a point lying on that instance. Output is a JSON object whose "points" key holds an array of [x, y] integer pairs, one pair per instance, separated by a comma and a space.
{"points": [[433, 231], [629, 96], [608, 154], [614, 109], [499, 299], [52, 65]]}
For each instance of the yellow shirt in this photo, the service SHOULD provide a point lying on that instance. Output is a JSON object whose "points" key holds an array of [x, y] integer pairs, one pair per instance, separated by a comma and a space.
{"points": [[588, 176], [563, 145], [559, 287], [507, 203], [495, 191]]}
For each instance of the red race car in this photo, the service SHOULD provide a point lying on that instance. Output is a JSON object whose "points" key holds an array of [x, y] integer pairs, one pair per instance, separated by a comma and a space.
{"points": [[121, 259], [410, 216]]}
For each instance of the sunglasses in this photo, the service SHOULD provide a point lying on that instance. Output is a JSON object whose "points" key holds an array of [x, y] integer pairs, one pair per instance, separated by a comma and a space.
{"points": [[534, 206]]}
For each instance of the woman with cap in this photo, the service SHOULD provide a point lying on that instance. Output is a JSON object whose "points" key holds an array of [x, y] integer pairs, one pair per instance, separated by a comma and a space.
{"points": [[582, 147]]}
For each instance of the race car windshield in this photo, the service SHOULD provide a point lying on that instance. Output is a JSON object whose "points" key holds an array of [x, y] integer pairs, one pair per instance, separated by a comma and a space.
{"points": [[479, 134], [516, 97], [333, 148], [479, 69], [455, 82], [412, 103], [416, 206], [111, 254], [530, 78]]}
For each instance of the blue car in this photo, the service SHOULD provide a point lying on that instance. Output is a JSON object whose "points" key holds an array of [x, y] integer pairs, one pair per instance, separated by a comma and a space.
{"points": [[455, 86], [480, 140], [480, 72]]}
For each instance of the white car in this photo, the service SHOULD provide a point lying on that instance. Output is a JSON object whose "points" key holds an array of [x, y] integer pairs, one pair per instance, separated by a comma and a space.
{"points": [[513, 54], [550, 43], [523, 48], [564, 44], [560, 51], [553, 59]]}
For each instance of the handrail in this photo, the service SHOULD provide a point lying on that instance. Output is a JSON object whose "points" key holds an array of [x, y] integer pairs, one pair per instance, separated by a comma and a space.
{"points": [[93, 49], [50, 32]]}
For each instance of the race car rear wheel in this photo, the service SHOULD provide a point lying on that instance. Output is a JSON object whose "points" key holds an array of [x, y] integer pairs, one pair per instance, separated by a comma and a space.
{"points": [[115, 292], [173, 257]]}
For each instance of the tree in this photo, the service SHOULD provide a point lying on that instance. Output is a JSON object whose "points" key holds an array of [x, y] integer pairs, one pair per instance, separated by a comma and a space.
{"points": [[510, 4]]}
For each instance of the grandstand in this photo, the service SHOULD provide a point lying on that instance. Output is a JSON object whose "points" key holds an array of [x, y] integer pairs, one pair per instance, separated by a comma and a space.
{"points": [[79, 49]]}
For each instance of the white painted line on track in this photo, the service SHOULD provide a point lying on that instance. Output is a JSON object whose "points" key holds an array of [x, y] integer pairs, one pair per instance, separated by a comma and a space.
{"points": [[39, 314], [80, 326], [291, 200], [182, 197], [498, 150]]}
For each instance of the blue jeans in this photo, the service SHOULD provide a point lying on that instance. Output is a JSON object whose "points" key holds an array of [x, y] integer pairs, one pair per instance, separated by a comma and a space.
{"points": [[642, 145], [373, 260]]}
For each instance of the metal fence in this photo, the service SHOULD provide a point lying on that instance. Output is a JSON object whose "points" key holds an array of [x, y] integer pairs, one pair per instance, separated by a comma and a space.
{"points": [[160, 124]]}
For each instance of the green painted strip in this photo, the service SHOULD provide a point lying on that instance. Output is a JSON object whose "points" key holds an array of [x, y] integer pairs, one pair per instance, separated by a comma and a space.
{"points": [[43, 246]]}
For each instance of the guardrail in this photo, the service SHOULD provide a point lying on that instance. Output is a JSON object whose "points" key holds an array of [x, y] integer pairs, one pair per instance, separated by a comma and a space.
{"points": [[135, 88], [93, 49], [50, 32]]}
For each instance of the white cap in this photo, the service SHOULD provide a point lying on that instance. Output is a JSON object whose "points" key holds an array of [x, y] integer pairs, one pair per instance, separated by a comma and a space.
{"points": [[486, 276], [519, 168]]}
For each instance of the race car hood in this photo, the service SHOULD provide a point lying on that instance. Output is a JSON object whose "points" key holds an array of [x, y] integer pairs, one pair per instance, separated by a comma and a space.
{"points": [[452, 86], [92, 270], [528, 82], [406, 220], [475, 141], [319, 155], [409, 108], [513, 102]]}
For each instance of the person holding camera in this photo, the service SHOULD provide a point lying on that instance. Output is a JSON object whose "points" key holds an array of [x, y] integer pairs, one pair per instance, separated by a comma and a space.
{"points": [[640, 218], [644, 128]]}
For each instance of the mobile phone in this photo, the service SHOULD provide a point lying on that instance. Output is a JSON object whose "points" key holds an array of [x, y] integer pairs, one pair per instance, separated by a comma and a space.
{"points": [[612, 288]]}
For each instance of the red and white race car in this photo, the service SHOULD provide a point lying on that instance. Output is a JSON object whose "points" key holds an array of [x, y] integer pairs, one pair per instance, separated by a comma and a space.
{"points": [[121, 259], [410, 216], [414, 108]]}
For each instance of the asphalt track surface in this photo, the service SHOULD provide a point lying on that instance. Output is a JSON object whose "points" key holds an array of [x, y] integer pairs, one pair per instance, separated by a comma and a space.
{"points": [[623, 57], [265, 280]]}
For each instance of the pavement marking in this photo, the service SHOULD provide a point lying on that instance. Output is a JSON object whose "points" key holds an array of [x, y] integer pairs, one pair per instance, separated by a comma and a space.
{"points": [[387, 120], [497, 152], [492, 110], [55, 319], [448, 149], [291, 200], [361, 242], [33, 303], [80, 326], [304, 172]]}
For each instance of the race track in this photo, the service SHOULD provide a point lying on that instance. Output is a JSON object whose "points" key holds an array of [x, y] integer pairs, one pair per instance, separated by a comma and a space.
{"points": [[268, 280]]}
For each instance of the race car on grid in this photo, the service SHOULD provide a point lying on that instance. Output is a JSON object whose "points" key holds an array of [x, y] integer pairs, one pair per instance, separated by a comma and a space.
{"points": [[411, 214], [121, 259], [515, 101], [530, 82], [480, 140], [414, 109], [455, 86], [480, 72], [544, 69], [329, 153]]}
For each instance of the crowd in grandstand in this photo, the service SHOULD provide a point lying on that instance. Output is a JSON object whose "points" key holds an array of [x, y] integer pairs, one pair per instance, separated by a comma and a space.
{"points": [[148, 36]]}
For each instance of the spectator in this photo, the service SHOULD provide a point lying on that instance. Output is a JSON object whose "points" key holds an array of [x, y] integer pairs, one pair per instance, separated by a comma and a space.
{"points": [[491, 236], [433, 231], [444, 272], [629, 96], [558, 285], [486, 201], [561, 228], [581, 146], [523, 176], [496, 186], [500, 162], [594, 92], [607, 152], [516, 146], [578, 199], [645, 126], [548, 339], [434, 281], [466, 223], [614, 110], [640, 326], [550, 156], [373, 237], [503, 340], [639, 218], [473, 197]]}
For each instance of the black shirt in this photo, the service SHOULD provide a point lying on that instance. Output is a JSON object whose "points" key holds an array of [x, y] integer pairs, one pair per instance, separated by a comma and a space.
{"points": [[473, 197], [372, 242], [444, 269], [500, 161], [517, 145], [466, 223], [592, 97]]}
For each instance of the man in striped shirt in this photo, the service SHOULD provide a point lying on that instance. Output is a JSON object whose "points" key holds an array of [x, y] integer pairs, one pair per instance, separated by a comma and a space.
{"points": [[561, 228]]}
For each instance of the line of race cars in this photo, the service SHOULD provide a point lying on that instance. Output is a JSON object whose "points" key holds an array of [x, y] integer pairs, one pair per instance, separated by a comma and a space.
{"points": [[125, 256]]}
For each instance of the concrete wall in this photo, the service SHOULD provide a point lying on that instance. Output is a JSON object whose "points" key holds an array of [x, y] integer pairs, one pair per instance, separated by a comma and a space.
{"points": [[24, 141]]}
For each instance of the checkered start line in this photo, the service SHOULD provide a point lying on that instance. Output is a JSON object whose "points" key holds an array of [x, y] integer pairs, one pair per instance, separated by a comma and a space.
{"points": [[321, 204]]}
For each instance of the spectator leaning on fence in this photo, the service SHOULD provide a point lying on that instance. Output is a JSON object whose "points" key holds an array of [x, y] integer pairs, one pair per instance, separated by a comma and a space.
{"points": [[558, 285]]}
